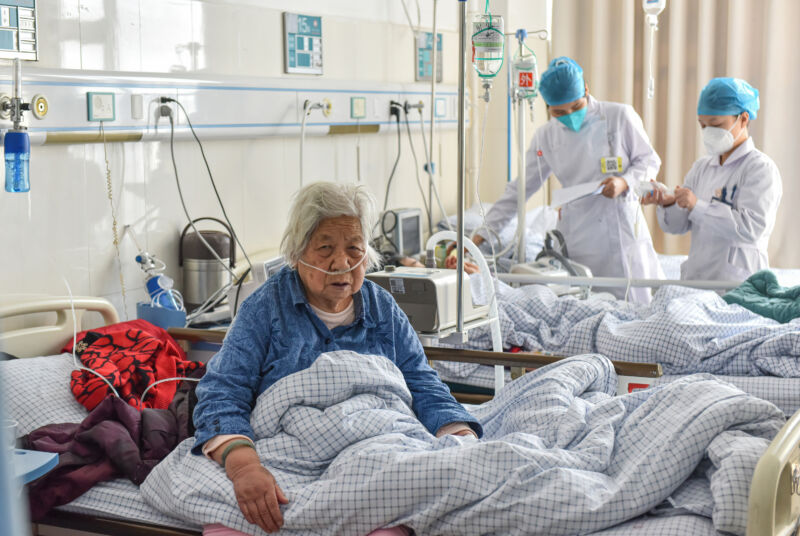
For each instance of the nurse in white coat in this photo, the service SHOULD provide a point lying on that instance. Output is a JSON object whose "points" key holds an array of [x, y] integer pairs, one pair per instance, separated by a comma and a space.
{"points": [[730, 198], [591, 142]]}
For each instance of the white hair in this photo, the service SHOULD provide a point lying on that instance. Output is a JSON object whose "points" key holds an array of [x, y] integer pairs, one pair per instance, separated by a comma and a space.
{"points": [[322, 200]]}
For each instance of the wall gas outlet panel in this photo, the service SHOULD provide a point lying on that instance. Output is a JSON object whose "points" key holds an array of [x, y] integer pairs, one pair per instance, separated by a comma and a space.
{"points": [[424, 50], [19, 30], [101, 106], [303, 43], [358, 107]]}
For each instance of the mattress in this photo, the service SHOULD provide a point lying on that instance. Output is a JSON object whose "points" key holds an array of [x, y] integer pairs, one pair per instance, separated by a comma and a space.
{"points": [[120, 499]]}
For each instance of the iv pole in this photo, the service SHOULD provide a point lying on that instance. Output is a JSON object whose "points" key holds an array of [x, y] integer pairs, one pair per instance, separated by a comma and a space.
{"points": [[462, 75], [522, 198]]}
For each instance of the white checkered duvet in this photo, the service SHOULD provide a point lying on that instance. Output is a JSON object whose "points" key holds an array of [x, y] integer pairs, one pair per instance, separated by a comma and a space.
{"points": [[783, 392], [685, 330], [560, 454]]}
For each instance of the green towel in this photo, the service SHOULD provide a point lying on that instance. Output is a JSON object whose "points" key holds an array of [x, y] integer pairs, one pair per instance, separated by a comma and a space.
{"points": [[762, 294]]}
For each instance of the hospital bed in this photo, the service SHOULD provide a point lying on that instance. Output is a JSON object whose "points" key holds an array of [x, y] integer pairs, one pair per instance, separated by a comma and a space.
{"points": [[38, 394], [782, 391]]}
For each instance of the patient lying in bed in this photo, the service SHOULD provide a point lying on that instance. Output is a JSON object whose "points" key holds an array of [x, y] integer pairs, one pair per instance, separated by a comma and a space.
{"points": [[685, 330]]}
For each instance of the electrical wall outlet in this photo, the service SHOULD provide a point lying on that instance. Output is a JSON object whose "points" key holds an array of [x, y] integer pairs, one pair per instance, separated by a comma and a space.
{"points": [[440, 107], [137, 107], [101, 106], [358, 107]]}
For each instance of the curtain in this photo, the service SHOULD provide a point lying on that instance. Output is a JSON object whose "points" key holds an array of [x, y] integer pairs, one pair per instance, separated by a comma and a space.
{"points": [[696, 40]]}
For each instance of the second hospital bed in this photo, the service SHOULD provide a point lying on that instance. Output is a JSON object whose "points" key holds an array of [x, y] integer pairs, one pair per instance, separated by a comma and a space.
{"points": [[685, 330]]}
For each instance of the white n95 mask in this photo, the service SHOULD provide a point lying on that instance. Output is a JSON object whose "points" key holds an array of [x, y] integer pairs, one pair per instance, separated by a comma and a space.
{"points": [[339, 272], [718, 140]]}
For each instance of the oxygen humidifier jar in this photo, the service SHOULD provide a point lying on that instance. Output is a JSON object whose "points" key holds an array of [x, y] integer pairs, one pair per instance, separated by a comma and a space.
{"points": [[487, 45], [159, 287], [18, 154]]}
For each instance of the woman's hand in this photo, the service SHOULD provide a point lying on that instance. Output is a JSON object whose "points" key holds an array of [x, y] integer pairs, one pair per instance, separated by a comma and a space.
{"points": [[614, 187], [451, 262], [456, 428], [257, 493], [685, 198], [657, 197]]}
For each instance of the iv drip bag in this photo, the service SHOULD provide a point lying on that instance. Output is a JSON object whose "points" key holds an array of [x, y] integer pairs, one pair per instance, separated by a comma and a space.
{"points": [[488, 42], [652, 9]]}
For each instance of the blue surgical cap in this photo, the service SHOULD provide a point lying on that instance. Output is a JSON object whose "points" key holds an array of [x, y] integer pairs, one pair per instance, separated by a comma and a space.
{"points": [[728, 96], [562, 82]]}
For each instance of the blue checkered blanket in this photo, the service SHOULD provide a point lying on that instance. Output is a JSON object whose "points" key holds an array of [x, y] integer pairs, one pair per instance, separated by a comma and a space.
{"points": [[560, 455], [686, 330]]}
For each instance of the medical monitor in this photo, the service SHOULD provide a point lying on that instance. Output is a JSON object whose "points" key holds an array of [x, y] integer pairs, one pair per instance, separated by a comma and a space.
{"points": [[404, 228]]}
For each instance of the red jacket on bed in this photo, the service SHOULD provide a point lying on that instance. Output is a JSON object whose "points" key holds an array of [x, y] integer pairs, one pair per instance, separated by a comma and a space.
{"points": [[131, 356]]}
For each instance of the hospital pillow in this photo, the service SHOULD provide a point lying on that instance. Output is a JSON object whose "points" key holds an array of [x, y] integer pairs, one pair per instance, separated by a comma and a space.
{"points": [[36, 391]]}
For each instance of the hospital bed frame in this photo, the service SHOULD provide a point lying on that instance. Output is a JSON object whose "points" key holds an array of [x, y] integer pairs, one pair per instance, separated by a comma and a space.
{"points": [[774, 504], [614, 282]]}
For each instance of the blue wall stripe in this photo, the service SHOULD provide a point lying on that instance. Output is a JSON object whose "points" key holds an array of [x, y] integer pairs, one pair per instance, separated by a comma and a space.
{"points": [[212, 125], [221, 88]]}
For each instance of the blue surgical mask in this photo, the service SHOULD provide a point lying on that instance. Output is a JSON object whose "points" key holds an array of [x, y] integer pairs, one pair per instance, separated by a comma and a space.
{"points": [[574, 120]]}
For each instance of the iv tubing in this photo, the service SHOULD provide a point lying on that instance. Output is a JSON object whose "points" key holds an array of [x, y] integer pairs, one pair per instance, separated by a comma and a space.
{"points": [[431, 186], [75, 342], [508, 124], [303, 139], [433, 190]]}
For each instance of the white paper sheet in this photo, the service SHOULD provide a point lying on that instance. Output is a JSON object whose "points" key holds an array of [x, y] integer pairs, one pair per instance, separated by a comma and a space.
{"points": [[573, 193]]}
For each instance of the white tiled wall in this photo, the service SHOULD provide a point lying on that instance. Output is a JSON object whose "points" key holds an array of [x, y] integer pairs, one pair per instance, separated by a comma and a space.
{"points": [[64, 227]]}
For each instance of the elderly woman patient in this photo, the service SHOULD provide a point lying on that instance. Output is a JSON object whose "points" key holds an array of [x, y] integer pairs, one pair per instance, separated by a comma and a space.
{"points": [[318, 304]]}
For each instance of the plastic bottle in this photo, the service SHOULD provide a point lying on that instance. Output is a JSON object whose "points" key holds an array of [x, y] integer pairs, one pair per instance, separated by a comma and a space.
{"points": [[18, 154], [487, 44]]}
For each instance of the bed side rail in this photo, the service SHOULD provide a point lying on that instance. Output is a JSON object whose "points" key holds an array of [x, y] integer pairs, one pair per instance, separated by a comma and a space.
{"points": [[774, 503], [47, 339], [616, 282], [197, 335], [631, 375], [532, 360], [506, 359]]}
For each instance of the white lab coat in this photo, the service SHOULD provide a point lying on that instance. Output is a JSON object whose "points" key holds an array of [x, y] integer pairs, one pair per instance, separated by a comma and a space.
{"points": [[610, 236], [730, 234]]}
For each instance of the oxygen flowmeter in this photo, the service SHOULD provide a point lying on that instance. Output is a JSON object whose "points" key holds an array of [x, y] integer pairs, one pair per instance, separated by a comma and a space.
{"points": [[652, 9], [16, 142], [488, 48]]}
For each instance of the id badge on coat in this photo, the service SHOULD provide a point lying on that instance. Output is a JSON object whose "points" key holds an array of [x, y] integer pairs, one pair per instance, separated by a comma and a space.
{"points": [[611, 164]]}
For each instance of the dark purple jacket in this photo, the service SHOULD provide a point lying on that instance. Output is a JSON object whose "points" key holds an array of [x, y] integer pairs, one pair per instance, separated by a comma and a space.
{"points": [[114, 440]]}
